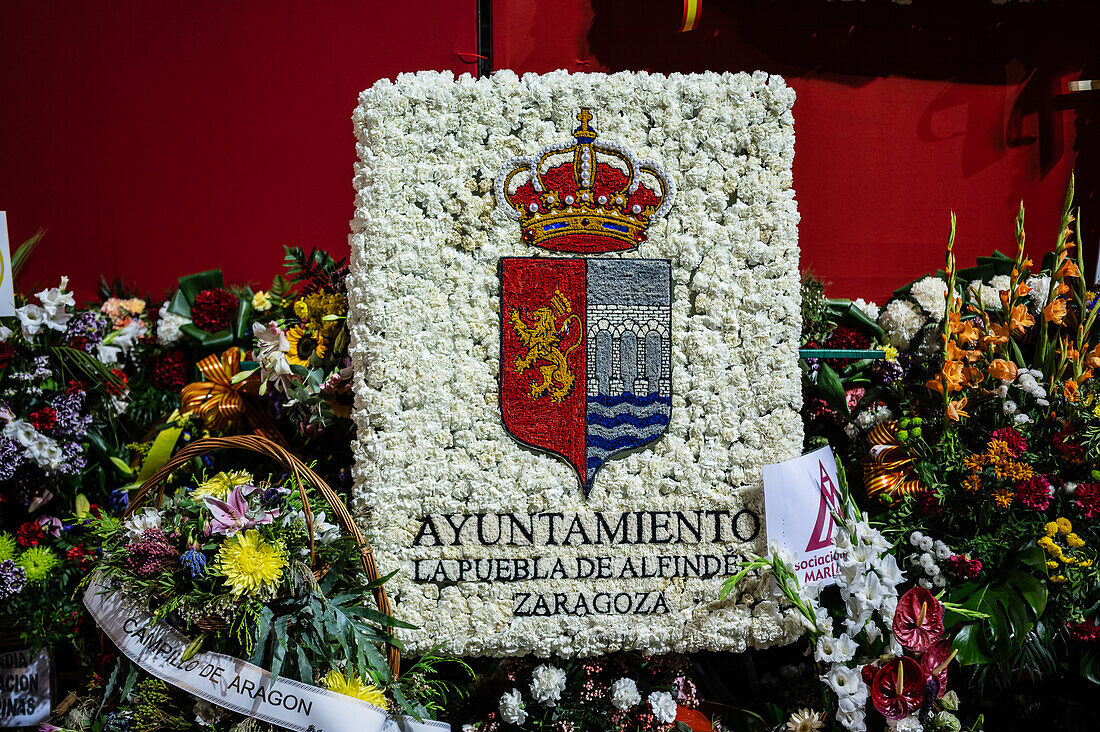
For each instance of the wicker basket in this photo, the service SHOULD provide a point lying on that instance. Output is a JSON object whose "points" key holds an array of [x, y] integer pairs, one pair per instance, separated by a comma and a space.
{"points": [[303, 475]]}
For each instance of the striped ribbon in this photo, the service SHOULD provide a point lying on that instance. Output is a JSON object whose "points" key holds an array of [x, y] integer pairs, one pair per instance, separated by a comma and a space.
{"points": [[692, 9], [217, 400], [889, 468]]}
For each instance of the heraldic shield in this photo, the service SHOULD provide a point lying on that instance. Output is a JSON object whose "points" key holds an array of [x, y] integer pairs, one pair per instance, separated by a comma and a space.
{"points": [[586, 360], [586, 356]]}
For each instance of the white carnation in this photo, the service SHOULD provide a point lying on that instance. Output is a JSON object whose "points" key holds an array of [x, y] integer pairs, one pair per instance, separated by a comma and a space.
{"points": [[511, 708], [901, 320], [870, 309], [547, 684], [989, 293], [624, 694], [1040, 288], [909, 724], [930, 293], [168, 327], [663, 706]]}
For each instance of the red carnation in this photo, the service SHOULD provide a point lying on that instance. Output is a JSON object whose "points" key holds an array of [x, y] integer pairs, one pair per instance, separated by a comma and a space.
{"points": [[1034, 494], [7, 350], [928, 503], [1084, 632], [1017, 445], [898, 688], [80, 555], [963, 567], [44, 419], [1068, 447], [76, 387], [213, 310], [1087, 498], [918, 620], [168, 371], [29, 534], [120, 388]]}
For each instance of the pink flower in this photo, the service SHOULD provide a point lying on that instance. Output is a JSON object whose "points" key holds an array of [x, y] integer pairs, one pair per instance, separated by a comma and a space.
{"points": [[51, 525], [918, 620], [1017, 445], [233, 515], [1087, 498], [1035, 493]]}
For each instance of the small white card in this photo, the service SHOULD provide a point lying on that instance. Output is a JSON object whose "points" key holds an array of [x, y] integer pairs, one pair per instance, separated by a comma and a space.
{"points": [[7, 287], [800, 496], [24, 688]]}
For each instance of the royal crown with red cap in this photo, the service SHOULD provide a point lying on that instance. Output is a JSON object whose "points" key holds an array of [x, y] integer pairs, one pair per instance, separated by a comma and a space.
{"points": [[587, 196]]}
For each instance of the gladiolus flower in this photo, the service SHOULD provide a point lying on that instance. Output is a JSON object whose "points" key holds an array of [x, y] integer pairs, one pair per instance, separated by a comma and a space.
{"points": [[1003, 370], [1069, 389], [918, 620], [898, 688], [1055, 311], [1020, 320], [955, 409]]}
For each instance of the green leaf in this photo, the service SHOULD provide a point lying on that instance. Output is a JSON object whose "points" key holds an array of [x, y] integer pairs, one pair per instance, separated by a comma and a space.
{"points": [[22, 254], [305, 668], [221, 339], [122, 465], [1090, 665], [966, 643], [832, 390], [1032, 590], [263, 626]]}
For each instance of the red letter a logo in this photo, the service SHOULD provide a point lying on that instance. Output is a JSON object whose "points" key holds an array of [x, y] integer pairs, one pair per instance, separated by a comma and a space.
{"points": [[822, 535]]}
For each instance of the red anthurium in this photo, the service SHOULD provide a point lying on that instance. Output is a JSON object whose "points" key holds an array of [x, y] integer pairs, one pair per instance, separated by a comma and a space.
{"points": [[898, 688], [693, 718], [918, 621], [935, 662]]}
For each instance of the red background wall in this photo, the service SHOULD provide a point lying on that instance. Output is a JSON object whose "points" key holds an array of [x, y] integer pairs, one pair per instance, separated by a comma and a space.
{"points": [[157, 139]]}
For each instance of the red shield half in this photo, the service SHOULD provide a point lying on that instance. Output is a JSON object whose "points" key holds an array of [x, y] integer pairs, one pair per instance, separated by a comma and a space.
{"points": [[543, 355]]}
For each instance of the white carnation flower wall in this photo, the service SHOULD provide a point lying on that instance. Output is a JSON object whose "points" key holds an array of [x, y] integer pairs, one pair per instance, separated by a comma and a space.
{"points": [[425, 319]]}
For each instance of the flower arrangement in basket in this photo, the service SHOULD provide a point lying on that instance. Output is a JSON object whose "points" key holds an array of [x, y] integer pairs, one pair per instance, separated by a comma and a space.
{"points": [[248, 568]]}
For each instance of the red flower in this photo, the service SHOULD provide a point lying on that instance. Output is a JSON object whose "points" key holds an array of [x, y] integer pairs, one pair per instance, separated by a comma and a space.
{"points": [[76, 387], [935, 662], [168, 371], [1087, 498], [1034, 494], [213, 310], [7, 350], [80, 555], [918, 620], [1084, 632], [29, 534], [44, 419], [1068, 447], [928, 503], [1017, 445], [898, 688], [963, 567], [122, 383]]}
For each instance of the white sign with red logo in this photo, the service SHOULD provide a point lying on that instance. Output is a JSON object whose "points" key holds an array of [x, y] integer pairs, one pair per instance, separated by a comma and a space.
{"points": [[800, 497], [7, 287]]}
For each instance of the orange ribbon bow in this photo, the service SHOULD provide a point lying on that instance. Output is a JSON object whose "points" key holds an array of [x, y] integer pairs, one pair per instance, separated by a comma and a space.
{"points": [[218, 400], [889, 468]]}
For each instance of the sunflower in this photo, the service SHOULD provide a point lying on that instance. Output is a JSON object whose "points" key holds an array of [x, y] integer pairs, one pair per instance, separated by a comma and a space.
{"points": [[303, 344], [352, 685], [250, 564], [221, 485]]}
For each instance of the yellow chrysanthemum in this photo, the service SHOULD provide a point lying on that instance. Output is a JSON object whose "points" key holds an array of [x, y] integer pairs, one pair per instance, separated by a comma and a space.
{"points": [[1059, 579], [1052, 565], [1064, 526], [1074, 540], [222, 484], [1050, 530], [250, 565], [352, 685]]}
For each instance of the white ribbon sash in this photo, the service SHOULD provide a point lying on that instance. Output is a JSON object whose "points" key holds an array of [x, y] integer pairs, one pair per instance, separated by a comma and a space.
{"points": [[231, 683]]}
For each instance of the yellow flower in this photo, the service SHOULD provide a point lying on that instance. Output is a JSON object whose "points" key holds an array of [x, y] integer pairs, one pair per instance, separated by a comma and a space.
{"points": [[251, 565], [890, 353], [261, 302], [1059, 578], [1048, 544], [1003, 497], [222, 484], [1050, 529], [1064, 526], [1052, 565], [1086, 563], [972, 483], [302, 345], [1075, 541], [352, 685], [301, 309]]}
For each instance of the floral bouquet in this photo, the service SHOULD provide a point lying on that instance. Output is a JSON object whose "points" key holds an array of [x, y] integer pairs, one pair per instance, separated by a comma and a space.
{"points": [[243, 566]]}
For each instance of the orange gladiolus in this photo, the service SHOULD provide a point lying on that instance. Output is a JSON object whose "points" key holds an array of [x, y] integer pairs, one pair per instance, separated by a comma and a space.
{"points": [[1003, 370], [1068, 269], [1069, 389], [951, 378], [998, 334], [1055, 312], [1092, 358], [954, 353], [955, 409], [1020, 320]]}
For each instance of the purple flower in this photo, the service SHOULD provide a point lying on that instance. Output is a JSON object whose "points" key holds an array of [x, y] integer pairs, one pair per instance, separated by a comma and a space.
{"points": [[51, 525], [11, 457], [71, 420], [231, 516], [12, 579], [85, 331]]}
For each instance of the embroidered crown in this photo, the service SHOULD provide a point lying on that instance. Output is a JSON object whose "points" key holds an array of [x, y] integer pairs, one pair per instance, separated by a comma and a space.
{"points": [[587, 196]]}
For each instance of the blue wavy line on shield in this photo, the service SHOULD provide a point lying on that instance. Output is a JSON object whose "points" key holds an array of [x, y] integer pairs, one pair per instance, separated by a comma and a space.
{"points": [[603, 411], [627, 419], [621, 443]]}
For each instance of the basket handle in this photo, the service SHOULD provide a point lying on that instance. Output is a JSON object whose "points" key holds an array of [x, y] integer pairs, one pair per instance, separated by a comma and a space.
{"points": [[302, 474]]}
